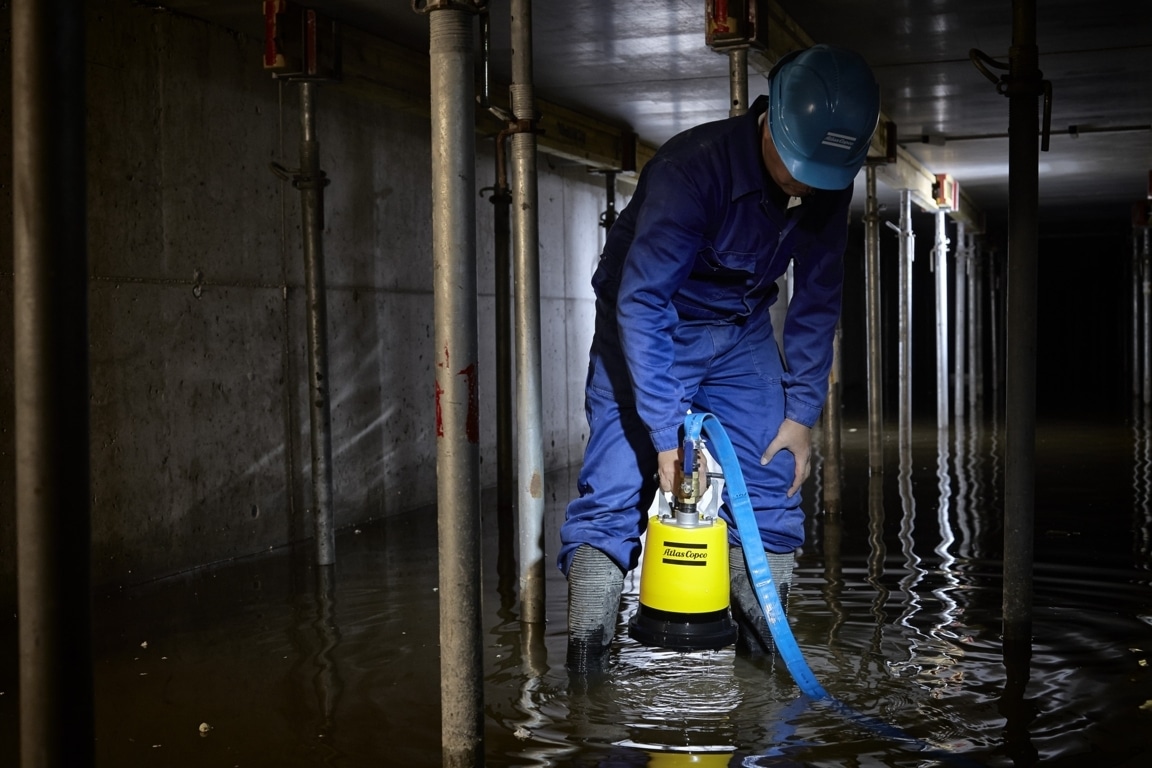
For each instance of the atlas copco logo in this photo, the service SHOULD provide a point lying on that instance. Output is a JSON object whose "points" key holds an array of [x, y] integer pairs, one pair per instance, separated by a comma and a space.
{"points": [[679, 555], [838, 140]]}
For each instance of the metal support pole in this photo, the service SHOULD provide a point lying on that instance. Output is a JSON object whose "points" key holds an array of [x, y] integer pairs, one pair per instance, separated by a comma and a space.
{"points": [[1146, 283], [526, 245], [975, 327], [907, 254], [738, 81], [311, 182], [940, 266], [505, 445], [995, 318], [875, 339], [833, 424], [1020, 410], [963, 267], [50, 335], [457, 418], [1136, 344], [608, 218]]}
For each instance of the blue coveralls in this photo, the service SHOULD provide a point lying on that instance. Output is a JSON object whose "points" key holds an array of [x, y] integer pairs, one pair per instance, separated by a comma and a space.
{"points": [[683, 291]]}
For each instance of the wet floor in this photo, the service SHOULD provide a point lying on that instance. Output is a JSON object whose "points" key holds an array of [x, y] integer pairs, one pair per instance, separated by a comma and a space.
{"points": [[897, 608]]}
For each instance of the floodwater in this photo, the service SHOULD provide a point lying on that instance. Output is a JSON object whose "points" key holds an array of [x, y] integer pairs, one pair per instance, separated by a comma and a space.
{"points": [[268, 661]]}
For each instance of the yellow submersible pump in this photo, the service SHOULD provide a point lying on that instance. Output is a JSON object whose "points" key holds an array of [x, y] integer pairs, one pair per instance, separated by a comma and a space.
{"points": [[684, 577]]}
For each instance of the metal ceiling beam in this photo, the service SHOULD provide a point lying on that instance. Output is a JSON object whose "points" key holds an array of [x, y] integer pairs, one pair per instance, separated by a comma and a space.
{"points": [[909, 173], [784, 36]]}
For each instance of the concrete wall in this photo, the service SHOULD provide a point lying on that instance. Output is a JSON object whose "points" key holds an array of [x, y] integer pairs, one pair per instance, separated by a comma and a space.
{"points": [[200, 448]]}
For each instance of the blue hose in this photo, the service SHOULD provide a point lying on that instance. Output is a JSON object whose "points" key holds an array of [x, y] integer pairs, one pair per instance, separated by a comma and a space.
{"points": [[766, 592], [754, 552]]}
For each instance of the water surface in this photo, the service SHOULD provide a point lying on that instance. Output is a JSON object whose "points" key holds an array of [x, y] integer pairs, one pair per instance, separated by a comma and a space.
{"points": [[268, 661]]}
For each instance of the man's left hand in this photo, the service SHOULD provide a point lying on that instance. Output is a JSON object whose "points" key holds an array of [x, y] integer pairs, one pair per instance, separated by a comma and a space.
{"points": [[797, 438]]}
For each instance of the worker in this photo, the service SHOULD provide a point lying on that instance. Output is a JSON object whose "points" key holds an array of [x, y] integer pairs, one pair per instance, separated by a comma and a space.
{"points": [[683, 291]]}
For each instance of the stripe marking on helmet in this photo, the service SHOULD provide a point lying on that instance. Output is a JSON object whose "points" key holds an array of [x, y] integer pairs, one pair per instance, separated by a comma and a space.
{"points": [[838, 140]]}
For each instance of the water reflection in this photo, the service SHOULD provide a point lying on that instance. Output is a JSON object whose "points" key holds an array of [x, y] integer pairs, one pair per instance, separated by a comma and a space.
{"points": [[1142, 483], [876, 558], [914, 643], [315, 639], [327, 682], [897, 605]]}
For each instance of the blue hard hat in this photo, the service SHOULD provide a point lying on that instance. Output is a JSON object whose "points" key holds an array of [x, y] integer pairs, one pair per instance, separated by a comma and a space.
{"points": [[822, 110]]}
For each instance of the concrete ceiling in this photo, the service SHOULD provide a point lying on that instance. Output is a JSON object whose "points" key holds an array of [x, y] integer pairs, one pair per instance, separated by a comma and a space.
{"points": [[645, 63]]}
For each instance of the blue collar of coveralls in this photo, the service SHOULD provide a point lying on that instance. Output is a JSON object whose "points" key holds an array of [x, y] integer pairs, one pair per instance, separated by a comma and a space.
{"points": [[748, 172]]}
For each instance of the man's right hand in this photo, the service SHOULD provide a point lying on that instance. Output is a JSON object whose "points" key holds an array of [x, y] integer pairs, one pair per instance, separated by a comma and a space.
{"points": [[668, 469]]}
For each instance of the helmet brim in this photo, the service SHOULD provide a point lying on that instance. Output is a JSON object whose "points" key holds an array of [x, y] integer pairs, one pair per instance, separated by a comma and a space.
{"points": [[820, 175]]}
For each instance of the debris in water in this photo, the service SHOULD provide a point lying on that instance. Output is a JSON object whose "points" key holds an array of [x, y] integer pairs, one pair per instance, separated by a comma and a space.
{"points": [[204, 728], [522, 733]]}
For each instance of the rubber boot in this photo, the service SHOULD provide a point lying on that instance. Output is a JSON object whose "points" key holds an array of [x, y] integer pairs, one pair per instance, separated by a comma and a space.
{"points": [[755, 638], [594, 587]]}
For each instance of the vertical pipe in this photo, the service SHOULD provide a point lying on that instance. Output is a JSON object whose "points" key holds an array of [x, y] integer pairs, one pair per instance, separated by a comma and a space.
{"points": [[505, 445], [994, 314], [875, 348], [907, 253], [311, 182], [975, 328], [832, 431], [1020, 387], [1136, 345], [940, 265], [50, 334], [1146, 335], [963, 267], [608, 218], [738, 81], [528, 366], [457, 420]]}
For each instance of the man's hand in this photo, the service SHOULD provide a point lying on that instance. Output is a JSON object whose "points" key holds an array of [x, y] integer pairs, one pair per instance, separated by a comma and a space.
{"points": [[668, 468], [797, 438]]}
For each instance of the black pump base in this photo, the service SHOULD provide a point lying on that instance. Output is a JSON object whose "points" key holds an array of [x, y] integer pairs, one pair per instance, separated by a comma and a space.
{"points": [[682, 631]]}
